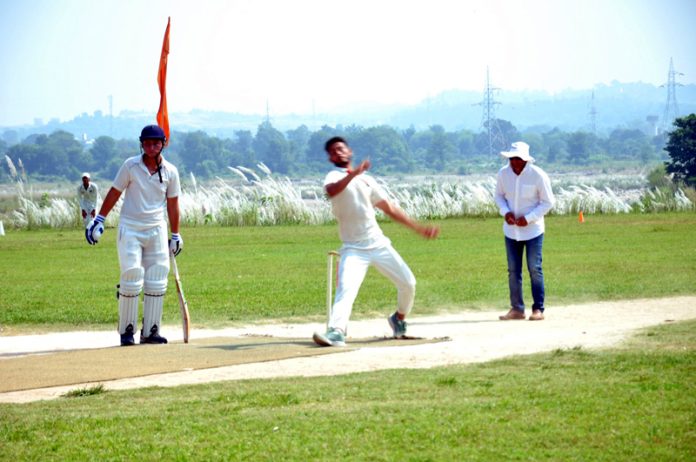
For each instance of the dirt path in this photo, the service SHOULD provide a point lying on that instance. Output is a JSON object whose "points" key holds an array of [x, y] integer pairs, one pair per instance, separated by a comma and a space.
{"points": [[475, 337]]}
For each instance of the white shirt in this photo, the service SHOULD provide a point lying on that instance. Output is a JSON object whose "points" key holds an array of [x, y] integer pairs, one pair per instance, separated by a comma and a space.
{"points": [[88, 197], [527, 194], [145, 200], [354, 211]]}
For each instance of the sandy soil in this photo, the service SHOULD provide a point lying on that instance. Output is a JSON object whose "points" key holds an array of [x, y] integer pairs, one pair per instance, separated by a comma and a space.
{"points": [[475, 337]]}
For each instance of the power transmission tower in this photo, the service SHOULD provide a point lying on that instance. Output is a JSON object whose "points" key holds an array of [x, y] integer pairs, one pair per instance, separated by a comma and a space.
{"points": [[671, 107], [489, 120], [593, 115]]}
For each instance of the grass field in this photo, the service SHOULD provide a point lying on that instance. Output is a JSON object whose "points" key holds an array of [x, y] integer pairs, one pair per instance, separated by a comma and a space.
{"points": [[54, 280], [633, 403]]}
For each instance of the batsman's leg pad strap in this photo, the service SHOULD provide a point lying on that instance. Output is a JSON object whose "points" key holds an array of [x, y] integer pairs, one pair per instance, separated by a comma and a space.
{"points": [[131, 283], [156, 280], [152, 312]]}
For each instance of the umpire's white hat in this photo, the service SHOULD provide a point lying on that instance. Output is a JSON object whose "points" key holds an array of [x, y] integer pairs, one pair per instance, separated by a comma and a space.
{"points": [[86, 175], [518, 149]]}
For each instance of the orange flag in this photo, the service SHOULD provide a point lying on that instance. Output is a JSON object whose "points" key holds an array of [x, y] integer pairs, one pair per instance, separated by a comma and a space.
{"points": [[162, 113]]}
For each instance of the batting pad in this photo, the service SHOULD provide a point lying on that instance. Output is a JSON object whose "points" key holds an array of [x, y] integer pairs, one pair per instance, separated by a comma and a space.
{"points": [[153, 299], [129, 290]]}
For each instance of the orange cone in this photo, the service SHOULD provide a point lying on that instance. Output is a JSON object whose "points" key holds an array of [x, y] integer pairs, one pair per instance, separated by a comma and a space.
{"points": [[581, 218]]}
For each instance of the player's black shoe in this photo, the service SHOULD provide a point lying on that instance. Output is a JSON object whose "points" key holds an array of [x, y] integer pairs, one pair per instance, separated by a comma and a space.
{"points": [[127, 339], [154, 337]]}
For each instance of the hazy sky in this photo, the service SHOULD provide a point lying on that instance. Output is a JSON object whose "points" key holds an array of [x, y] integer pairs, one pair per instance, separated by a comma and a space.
{"points": [[60, 58]]}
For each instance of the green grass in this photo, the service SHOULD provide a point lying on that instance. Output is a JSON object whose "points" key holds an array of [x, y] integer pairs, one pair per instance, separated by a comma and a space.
{"points": [[86, 391], [634, 403], [53, 279]]}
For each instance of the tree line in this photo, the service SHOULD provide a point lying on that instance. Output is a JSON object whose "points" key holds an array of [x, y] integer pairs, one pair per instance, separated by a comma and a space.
{"points": [[300, 152]]}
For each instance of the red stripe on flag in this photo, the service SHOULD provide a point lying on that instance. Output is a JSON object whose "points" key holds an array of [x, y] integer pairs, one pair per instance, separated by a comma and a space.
{"points": [[162, 112]]}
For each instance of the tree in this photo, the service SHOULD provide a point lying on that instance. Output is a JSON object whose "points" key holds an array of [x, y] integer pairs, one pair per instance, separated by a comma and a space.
{"points": [[579, 146], [57, 154], [629, 144], [242, 147], [195, 150], [298, 140], [22, 153], [464, 140], [440, 149], [557, 148], [681, 148], [272, 148], [103, 150], [384, 146]]}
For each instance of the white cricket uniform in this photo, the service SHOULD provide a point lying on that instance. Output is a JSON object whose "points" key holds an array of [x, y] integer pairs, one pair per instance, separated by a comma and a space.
{"points": [[88, 200], [143, 249], [364, 244]]}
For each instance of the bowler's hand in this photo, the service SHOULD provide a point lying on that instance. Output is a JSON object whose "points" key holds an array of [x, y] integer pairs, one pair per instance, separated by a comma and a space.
{"points": [[510, 218], [429, 232], [362, 167]]}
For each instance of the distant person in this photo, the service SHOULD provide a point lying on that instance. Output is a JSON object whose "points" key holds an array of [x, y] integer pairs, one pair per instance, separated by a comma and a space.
{"points": [[353, 195], [152, 186], [523, 195], [87, 196]]}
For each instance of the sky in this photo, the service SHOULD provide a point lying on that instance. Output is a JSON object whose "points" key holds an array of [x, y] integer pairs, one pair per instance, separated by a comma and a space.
{"points": [[62, 58]]}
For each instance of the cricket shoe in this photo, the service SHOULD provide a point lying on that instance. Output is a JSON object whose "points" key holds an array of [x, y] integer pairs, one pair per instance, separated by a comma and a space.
{"points": [[332, 337], [127, 339], [398, 325], [154, 337]]}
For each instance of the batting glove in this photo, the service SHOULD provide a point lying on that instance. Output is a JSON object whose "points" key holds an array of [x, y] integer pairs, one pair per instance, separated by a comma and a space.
{"points": [[176, 244], [95, 229]]}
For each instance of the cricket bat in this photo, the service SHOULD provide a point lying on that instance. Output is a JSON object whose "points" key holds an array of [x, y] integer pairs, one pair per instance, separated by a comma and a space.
{"points": [[183, 306]]}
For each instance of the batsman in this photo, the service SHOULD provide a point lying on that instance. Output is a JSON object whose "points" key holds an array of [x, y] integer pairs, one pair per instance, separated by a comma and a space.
{"points": [[151, 186]]}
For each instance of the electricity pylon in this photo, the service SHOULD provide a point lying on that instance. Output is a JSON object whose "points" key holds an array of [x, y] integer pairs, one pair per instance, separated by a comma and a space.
{"points": [[489, 120], [593, 115], [671, 107]]}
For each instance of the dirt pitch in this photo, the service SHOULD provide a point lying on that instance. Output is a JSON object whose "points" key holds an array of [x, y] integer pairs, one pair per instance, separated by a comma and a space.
{"points": [[476, 336]]}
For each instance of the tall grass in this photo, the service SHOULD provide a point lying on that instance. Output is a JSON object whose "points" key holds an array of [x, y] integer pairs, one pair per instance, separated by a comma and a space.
{"points": [[253, 201], [260, 198]]}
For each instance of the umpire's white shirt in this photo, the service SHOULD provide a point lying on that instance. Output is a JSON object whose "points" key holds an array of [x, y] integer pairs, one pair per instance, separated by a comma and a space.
{"points": [[527, 194], [145, 200], [354, 211]]}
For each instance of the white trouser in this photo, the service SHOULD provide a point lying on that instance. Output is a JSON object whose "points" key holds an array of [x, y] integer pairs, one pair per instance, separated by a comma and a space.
{"points": [[351, 273], [145, 248]]}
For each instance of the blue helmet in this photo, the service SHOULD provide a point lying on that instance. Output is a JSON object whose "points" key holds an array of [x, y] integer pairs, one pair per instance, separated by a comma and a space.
{"points": [[152, 132]]}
